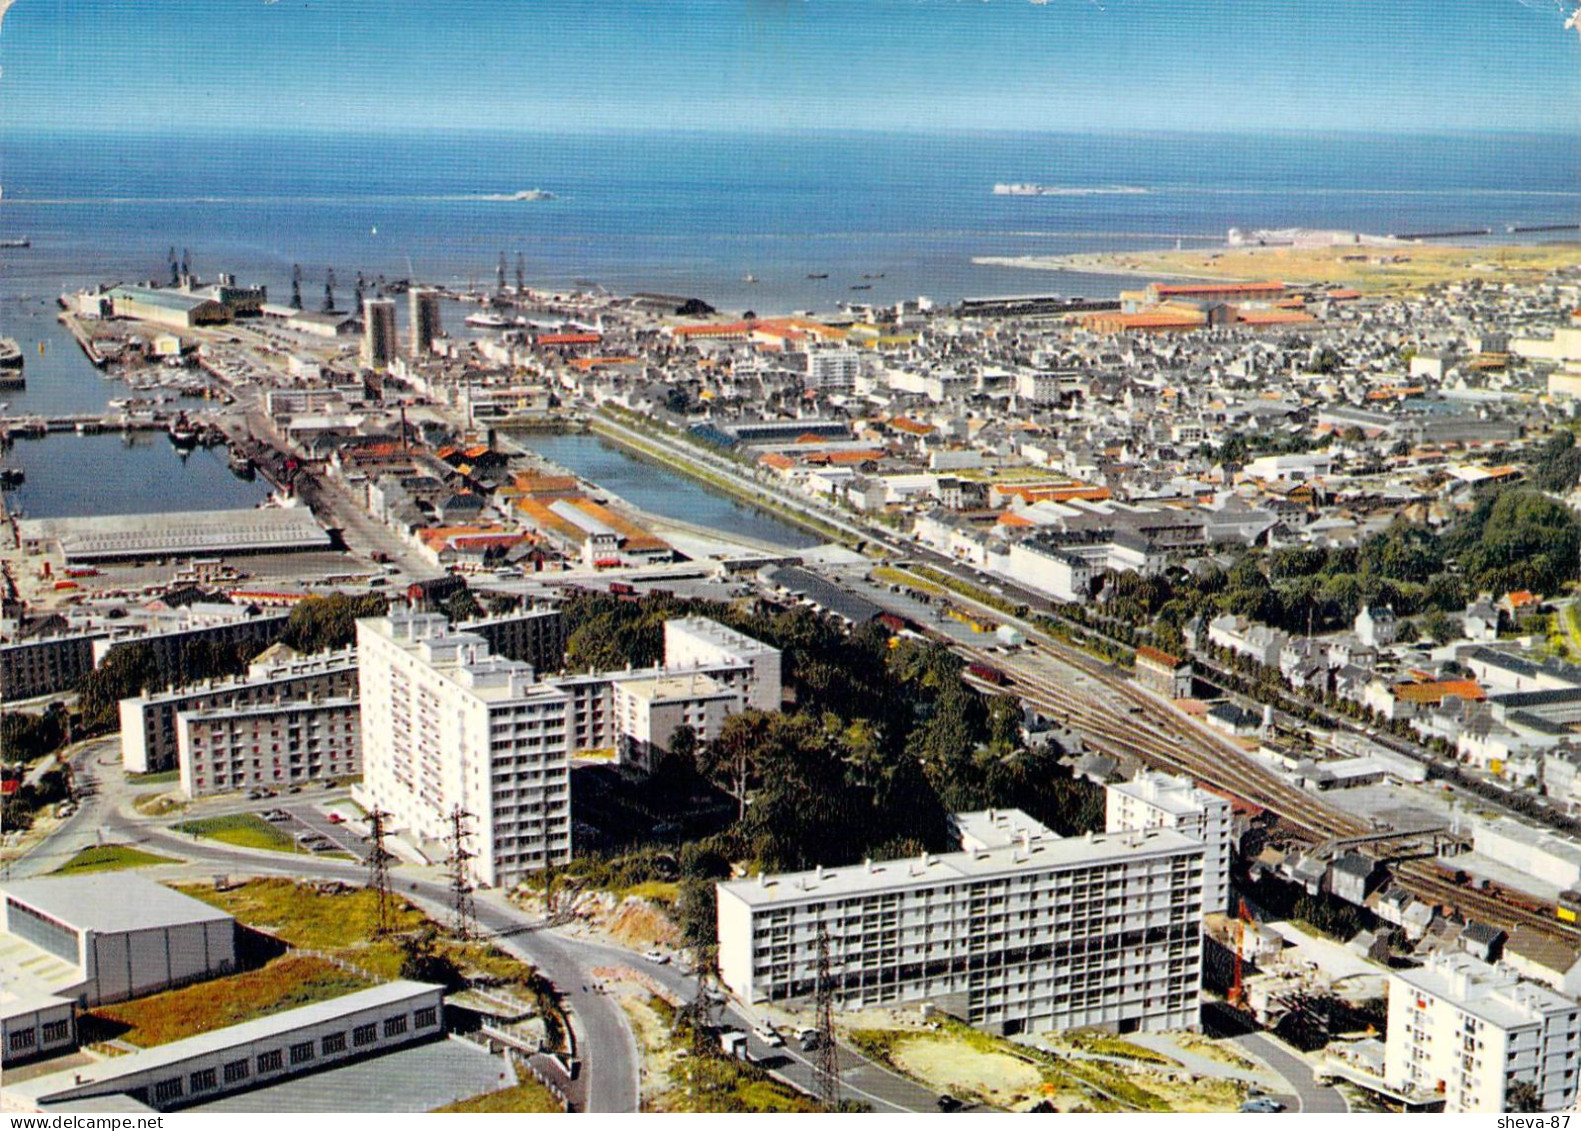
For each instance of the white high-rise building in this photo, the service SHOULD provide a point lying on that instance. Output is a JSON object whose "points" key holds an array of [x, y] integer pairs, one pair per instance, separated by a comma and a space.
{"points": [[1153, 800], [697, 642], [1468, 1031], [833, 370], [1022, 932], [445, 724]]}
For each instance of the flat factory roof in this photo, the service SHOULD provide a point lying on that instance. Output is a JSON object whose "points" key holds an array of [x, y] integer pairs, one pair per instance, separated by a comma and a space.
{"points": [[111, 902], [218, 1040], [135, 535]]}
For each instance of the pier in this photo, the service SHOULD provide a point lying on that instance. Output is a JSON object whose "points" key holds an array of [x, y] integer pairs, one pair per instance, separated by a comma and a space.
{"points": [[21, 427], [89, 350]]}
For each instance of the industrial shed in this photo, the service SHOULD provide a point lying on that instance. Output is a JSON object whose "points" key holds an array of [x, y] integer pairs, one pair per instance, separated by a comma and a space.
{"points": [[108, 937]]}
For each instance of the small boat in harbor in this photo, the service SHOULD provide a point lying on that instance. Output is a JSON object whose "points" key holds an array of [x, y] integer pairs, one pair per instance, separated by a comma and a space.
{"points": [[183, 433]]}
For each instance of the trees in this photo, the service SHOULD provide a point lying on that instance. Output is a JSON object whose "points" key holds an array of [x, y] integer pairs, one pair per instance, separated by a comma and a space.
{"points": [[462, 605], [321, 623], [127, 671], [1522, 1096], [27, 737]]}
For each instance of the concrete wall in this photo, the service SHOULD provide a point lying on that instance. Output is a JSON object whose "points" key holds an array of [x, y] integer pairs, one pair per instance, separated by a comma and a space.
{"points": [[130, 964]]}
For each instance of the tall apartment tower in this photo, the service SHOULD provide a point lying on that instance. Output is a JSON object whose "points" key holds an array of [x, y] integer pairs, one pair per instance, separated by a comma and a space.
{"points": [[1465, 1032], [444, 724], [378, 335], [425, 321], [1153, 800]]}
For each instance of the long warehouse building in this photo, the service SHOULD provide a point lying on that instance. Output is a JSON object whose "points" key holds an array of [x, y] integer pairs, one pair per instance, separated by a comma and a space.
{"points": [[129, 537]]}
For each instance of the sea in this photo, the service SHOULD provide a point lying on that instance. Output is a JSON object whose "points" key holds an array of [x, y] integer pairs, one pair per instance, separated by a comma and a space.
{"points": [[767, 222]]}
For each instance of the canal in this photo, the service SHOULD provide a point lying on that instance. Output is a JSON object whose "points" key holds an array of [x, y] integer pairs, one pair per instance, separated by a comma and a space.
{"points": [[660, 490]]}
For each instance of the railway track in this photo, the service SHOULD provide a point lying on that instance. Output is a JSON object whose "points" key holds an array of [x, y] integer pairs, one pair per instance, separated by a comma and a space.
{"points": [[1125, 721]]}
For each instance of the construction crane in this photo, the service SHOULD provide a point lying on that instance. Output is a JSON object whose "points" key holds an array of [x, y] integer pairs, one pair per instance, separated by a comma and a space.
{"points": [[1237, 995]]}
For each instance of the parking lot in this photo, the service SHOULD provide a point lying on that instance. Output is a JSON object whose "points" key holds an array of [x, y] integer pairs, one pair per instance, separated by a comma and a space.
{"points": [[313, 829]]}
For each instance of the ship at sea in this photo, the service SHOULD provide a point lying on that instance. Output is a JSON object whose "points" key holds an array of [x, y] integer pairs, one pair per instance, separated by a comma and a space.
{"points": [[19, 242]]}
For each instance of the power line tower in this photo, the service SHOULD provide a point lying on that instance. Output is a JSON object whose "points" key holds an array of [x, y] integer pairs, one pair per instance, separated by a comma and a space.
{"points": [[521, 275], [462, 909], [828, 1052], [329, 291], [379, 872], [499, 276], [296, 286]]}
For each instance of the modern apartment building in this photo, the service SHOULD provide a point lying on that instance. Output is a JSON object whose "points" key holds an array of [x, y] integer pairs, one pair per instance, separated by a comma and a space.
{"points": [[44, 666], [697, 642], [648, 712], [149, 735], [1021, 932], [533, 636], [448, 725], [1154, 800], [1470, 1032], [269, 745]]}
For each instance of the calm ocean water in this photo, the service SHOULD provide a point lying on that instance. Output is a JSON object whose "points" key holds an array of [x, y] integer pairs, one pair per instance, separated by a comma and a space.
{"points": [[683, 212]]}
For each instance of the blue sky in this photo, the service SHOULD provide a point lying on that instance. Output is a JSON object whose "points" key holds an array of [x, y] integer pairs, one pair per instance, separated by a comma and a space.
{"points": [[1065, 65]]}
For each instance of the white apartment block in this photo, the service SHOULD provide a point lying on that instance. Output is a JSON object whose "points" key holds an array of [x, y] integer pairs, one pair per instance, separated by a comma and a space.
{"points": [[697, 642], [1022, 932], [1153, 800], [648, 712], [149, 740], [268, 745], [1468, 1031], [446, 725], [833, 370]]}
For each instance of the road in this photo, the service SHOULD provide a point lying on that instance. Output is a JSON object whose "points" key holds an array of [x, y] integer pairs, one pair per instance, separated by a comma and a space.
{"points": [[1314, 1098]]}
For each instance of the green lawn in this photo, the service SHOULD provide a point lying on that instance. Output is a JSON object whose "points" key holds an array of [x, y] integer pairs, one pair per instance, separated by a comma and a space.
{"points": [[529, 1096], [286, 983], [245, 830], [163, 777], [110, 858]]}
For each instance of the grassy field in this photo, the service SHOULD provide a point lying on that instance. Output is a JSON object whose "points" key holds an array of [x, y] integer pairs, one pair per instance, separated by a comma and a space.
{"points": [[1419, 266], [245, 830], [110, 858], [977, 1066], [528, 1096], [889, 575], [286, 983], [158, 803], [686, 1082], [163, 777], [344, 921]]}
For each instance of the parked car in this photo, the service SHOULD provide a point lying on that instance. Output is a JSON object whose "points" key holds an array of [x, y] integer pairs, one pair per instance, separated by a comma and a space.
{"points": [[657, 957], [1262, 1105], [769, 1035], [335, 819], [949, 1103]]}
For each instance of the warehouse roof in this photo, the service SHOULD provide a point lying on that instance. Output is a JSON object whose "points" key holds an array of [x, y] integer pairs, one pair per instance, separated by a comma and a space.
{"points": [[141, 535], [110, 903], [219, 1040]]}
